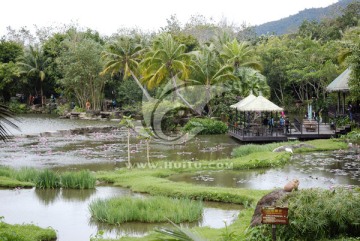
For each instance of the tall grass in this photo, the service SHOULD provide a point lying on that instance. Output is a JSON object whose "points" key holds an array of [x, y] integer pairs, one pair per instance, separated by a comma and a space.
{"points": [[152, 209], [78, 180], [47, 179], [26, 174]]}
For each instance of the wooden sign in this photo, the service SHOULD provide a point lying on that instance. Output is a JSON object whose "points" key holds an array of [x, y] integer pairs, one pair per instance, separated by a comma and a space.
{"points": [[274, 215]]}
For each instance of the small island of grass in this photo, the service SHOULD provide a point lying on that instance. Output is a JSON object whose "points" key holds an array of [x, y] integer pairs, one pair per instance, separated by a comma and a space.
{"points": [[149, 210]]}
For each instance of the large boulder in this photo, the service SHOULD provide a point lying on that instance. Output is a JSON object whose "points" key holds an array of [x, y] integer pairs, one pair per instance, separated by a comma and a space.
{"points": [[267, 200]]}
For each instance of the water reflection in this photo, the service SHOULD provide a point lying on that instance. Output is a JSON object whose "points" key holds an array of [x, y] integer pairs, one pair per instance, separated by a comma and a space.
{"points": [[325, 170], [67, 210]]}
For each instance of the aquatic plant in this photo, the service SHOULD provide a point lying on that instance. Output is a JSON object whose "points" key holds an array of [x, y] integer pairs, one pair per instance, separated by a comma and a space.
{"points": [[153, 209], [26, 174], [78, 180], [47, 179]]}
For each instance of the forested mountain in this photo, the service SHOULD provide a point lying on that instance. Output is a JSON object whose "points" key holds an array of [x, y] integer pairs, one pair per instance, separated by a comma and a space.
{"points": [[292, 23]]}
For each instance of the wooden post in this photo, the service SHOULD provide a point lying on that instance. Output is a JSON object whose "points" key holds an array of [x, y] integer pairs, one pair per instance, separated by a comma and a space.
{"points": [[274, 232]]}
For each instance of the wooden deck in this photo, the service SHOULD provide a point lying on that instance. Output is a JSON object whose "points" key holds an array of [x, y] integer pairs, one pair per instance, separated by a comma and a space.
{"points": [[297, 131]]}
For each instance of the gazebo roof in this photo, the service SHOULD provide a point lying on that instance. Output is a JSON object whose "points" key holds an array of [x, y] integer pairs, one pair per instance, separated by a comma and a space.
{"points": [[244, 101], [340, 83], [260, 103]]}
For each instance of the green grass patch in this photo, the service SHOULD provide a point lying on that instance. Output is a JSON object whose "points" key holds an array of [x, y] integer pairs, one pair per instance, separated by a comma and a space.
{"points": [[25, 232], [12, 183], [28, 177], [150, 210], [154, 183], [78, 180], [324, 145], [254, 148]]}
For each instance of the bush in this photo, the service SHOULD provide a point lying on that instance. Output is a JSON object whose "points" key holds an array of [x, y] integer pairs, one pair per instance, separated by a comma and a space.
{"points": [[353, 136], [153, 209], [17, 107], [316, 214], [205, 126]]}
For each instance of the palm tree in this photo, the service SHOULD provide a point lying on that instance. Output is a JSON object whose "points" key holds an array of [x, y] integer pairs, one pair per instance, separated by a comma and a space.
{"points": [[123, 56], [207, 70], [239, 55], [166, 60], [5, 119], [127, 122], [250, 80], [34, 63]]}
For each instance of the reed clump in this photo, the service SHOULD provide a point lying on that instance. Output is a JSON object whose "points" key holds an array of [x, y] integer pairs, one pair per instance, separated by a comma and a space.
{"points": [[150, 210]]}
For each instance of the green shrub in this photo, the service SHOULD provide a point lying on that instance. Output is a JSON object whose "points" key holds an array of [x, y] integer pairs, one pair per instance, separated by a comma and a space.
{"points": [[47, 179], [17, 107], [353, 136], [316, 214], [78, 180], [205, 126], [153, 209]]}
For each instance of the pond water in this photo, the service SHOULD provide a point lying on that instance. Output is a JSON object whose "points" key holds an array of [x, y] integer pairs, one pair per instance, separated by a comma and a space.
{"points": [[323, 169], [67, 212], [104, 149]]}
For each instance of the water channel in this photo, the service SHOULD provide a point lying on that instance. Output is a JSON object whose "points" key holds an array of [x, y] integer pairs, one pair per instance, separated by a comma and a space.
{"points": [[39, 146]]}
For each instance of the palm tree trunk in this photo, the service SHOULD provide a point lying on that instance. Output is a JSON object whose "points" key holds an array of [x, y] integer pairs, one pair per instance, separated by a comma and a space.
{"points": [[128, 143], [181, 97], [145, 92]]}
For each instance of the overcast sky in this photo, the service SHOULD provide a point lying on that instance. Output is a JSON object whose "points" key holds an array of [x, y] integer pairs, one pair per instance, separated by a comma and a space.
{"points": [[107, 16]]}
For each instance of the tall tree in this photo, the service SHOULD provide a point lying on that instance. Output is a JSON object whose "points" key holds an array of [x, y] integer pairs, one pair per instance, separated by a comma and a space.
{"points": [[34, 64], [123, 56], [208, 70], [166, 60], [80, 66]]}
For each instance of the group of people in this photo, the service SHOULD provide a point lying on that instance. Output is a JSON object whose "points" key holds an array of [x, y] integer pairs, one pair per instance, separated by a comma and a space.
{"points": [[283, 122]]}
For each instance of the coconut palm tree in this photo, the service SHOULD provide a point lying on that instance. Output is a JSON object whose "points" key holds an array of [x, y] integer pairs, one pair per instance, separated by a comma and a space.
{"points": [[166, 60], [123, 56], [207, 70], [34, 63], [239, 55], [6, 119]]}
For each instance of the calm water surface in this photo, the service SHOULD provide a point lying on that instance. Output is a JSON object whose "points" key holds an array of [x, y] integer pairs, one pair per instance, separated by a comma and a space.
{"points": [[100, 150], [67, 212]]}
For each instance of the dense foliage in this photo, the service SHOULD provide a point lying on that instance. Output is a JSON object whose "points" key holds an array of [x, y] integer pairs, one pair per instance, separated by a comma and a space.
{"points": [[317, 214], [205, 126], [202, 65]]}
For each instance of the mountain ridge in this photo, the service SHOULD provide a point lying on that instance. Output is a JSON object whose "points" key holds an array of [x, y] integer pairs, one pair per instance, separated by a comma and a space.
{"points": [[291, 23]]}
